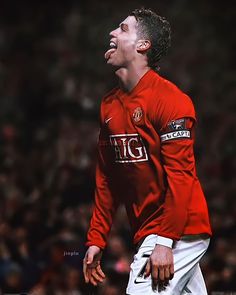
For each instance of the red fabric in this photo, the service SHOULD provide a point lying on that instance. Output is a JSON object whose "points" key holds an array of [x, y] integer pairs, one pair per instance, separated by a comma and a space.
{"points": [[155, 179]]}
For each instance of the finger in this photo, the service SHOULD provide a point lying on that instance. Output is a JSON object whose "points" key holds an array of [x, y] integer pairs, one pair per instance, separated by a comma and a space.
{"points": [[161, 286], [93, 281], [171, 272], [166, 283], [161, 273], [85, 271], [89, 274], [154, 276], [166, 273], [147, 269], [96, 276], [91, 278], [99, 270]]}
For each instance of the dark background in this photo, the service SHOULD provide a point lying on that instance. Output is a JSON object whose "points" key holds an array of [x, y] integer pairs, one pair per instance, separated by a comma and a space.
{"points": [[52, 78]]}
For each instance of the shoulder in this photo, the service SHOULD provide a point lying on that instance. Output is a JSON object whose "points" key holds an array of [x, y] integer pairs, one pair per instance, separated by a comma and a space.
{"points": [[172, 99], [169, 103], [172, 93]]}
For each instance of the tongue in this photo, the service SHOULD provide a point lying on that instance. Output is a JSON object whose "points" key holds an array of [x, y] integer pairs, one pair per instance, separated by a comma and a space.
{"points": [[109, 52]]}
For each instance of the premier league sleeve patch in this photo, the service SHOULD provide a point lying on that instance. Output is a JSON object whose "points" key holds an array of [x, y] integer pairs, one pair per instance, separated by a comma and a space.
{"points": [[179, 124], [177, 129]]}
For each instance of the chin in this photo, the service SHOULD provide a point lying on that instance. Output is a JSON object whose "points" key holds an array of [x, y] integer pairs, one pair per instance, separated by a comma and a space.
{"points": [[113, 64]]}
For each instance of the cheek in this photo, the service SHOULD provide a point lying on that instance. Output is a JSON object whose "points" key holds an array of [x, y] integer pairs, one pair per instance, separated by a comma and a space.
{"points": [[128, 48]]}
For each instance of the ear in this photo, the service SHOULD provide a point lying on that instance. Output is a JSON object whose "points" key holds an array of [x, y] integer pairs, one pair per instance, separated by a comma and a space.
{"points": [[143, 45]]}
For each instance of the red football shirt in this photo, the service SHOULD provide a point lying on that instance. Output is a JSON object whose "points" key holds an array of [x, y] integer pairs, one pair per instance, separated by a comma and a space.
{"points": [[146, 161]]}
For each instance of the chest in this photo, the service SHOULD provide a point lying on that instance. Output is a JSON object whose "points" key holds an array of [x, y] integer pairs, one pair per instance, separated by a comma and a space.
{"points": [[124, 116], [123, 121]]}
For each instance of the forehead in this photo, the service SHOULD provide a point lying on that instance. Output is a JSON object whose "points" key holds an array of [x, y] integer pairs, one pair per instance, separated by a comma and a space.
{"points": [[130, 21]]}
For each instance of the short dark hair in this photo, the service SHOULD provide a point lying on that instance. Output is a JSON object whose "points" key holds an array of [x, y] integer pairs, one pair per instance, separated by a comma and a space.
{"points": [[156, 29]]}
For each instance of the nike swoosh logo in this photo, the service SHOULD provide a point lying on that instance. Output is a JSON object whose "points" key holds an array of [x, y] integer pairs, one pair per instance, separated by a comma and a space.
{"points": [[107, 120], [140, 282]]}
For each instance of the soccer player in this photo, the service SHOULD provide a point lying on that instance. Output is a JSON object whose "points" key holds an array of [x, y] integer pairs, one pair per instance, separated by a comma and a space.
{"points": [[146, 161]]}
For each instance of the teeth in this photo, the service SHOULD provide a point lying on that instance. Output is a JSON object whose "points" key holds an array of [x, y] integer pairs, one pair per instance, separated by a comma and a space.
{"points": [[113, 44]]}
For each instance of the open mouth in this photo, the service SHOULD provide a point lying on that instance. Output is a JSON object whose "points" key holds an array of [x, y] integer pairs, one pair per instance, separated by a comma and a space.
{"points": [[113, 47]]}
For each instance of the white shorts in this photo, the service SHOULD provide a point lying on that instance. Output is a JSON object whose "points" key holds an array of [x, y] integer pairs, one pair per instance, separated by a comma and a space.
{"points": [[188, 277]]}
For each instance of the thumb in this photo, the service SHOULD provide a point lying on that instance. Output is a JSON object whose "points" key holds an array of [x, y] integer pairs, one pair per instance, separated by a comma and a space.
{"points": [[147, 269], [90, 257]]}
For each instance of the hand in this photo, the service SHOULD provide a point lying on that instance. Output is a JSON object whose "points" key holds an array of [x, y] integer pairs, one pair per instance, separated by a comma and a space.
{"points": [[161, 266], [91, 266]]}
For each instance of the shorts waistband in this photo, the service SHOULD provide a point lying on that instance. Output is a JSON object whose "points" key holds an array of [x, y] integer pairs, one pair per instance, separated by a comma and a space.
{"points": [[183, 238]]}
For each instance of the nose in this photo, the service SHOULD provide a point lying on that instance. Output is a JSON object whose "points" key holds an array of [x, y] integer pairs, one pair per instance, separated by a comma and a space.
{"points": [[113, 33]]}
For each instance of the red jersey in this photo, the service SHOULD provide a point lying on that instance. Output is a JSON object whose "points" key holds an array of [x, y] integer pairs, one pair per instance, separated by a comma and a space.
{"points": [[146, 161]]}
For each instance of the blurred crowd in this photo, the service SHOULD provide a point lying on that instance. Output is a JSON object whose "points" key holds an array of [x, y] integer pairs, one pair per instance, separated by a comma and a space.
{"points": [[52, 78]]}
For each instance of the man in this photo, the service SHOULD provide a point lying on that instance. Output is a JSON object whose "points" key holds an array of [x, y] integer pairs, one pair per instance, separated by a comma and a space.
{"points": [[146, 161]]}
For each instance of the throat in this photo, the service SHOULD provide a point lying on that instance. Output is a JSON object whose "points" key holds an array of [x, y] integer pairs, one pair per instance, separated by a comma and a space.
{"points": [[129, 78]]}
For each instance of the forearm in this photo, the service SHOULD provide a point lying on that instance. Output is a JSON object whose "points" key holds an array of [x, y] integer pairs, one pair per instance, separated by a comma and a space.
{"points": [[179, 167], [175, 213], [101, 222]]}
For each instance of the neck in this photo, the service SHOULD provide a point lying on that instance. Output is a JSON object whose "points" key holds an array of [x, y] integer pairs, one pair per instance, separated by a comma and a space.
{"points": [[129, 77]]}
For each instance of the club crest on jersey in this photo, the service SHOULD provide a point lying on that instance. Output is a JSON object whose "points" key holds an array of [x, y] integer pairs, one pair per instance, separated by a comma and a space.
{"points": [[128, 148], [137, 114], [177, 124]]}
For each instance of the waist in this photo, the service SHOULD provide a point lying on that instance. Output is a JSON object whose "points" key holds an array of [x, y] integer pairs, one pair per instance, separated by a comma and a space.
{"points": [[186, 238]]}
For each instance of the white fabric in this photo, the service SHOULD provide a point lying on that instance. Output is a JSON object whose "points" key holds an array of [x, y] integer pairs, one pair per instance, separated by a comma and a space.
{"points": [[187, 279], [164, 241]]}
